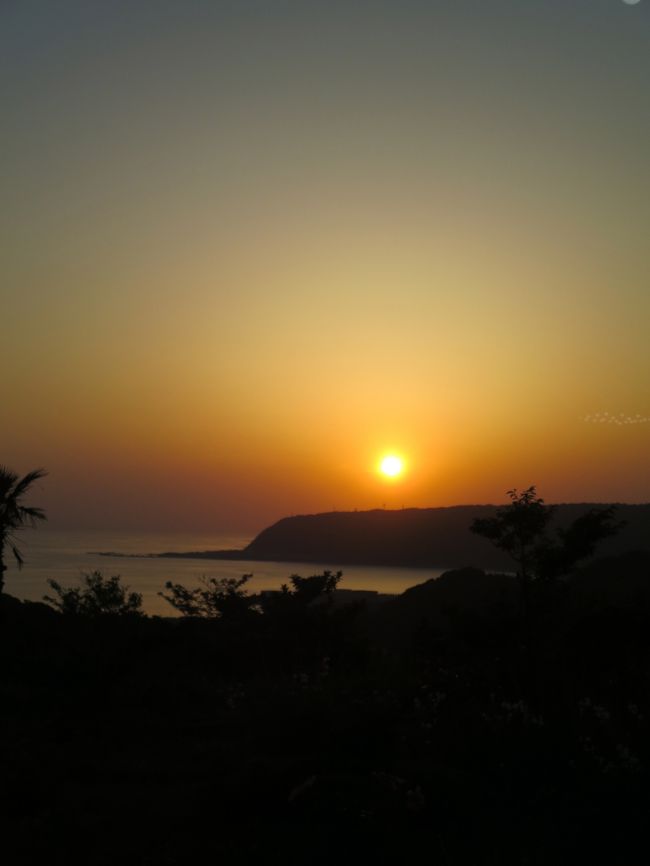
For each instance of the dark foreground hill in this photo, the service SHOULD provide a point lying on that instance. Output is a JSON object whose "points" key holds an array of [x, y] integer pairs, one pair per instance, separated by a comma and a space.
{"points": [[418, 730], [413, 537]]}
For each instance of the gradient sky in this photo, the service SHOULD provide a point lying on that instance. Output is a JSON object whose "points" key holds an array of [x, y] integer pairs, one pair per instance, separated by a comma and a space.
{"points": [[249, 247]]}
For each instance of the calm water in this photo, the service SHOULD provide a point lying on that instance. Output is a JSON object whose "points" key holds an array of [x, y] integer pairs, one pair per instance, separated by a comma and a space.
{"points": [[65, 555]]}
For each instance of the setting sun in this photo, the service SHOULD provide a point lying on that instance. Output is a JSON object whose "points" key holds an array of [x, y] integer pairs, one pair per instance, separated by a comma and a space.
{"points": [[391, 466]]}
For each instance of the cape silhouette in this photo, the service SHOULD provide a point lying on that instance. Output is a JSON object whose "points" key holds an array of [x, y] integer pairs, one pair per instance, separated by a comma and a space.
{"points": [[411, 537]]}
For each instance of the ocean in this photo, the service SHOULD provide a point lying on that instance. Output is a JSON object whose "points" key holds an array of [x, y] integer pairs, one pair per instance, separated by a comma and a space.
{"points": [[64, 556]]}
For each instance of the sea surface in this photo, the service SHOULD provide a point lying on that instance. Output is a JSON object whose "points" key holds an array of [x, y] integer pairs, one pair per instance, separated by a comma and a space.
{"points": [[64, 556]]}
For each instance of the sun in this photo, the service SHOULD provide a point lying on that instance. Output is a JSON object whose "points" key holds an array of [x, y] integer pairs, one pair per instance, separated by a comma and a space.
{"points": [[391, 466]]}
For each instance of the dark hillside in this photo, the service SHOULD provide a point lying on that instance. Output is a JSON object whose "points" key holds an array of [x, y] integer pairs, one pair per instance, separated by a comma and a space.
{"points": [[426, 537]]}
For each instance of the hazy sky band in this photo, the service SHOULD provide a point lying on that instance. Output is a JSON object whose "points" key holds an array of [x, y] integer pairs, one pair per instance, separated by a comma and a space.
{"points": [[249, 246]]}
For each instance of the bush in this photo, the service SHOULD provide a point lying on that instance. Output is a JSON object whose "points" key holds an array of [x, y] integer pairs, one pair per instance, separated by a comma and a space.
{"points": [[308, 589], [215, 598], [98, 596]]}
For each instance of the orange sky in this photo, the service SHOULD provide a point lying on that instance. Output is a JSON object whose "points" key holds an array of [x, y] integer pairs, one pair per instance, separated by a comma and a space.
{"points": [[246, 253]]}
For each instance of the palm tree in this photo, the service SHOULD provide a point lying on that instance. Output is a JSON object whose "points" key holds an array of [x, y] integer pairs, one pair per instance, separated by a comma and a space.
{"points": [[15, 516]]}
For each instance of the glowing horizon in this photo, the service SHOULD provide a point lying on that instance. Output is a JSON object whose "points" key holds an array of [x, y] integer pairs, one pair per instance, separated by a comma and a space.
{"points": [[244, 250]]}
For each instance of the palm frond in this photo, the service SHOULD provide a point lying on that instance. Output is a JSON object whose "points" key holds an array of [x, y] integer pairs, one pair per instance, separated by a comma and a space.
{"points": [[26, 482], [7, 480], [14, 516], [17, 555], [30, 514]]}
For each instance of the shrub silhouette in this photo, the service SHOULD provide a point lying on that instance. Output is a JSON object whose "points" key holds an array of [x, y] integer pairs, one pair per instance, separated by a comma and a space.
{"points": [[98, 596], [222, 597], [308, 589], [225, 597]]}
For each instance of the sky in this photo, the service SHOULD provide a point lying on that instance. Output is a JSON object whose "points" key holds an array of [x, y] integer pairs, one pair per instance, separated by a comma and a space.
{"points": [[248, 248]]}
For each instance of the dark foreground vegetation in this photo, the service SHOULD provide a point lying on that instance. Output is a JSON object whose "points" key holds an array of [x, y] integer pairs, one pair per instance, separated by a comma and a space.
{"points": [[475, 719], [323, 731]]}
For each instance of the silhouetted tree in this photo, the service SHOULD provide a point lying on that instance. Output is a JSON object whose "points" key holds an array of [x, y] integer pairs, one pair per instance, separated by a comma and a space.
{"points": [[15, 516], [98, 596], [520, 529], [217, 597], [576, 542]]}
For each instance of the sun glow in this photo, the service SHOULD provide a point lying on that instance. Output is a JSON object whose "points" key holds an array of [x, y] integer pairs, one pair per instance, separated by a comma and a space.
{"points": [[391, 466]]}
